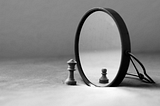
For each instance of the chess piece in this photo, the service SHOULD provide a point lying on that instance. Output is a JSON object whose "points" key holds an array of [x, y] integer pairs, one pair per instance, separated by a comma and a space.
{"points": [[71, 68], [104, 78]]}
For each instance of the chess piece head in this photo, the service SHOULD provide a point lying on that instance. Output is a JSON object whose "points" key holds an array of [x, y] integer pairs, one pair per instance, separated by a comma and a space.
{"points": [[71, 64]]}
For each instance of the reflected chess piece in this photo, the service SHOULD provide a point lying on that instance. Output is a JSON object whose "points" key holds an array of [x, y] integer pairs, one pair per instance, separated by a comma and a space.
{"points": [[71, 68], [104, 78]]}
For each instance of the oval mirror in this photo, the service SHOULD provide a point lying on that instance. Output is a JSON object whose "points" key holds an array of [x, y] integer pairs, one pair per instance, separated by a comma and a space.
{"points": [[100, 48]]}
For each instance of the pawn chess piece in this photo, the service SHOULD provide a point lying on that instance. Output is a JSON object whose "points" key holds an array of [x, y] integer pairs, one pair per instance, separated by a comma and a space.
{"points": [[71, 68], [104, 78]]}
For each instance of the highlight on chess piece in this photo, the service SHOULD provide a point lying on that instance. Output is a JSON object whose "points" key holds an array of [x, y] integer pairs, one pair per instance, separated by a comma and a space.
{"points": [[71, 68], [104, 78]]}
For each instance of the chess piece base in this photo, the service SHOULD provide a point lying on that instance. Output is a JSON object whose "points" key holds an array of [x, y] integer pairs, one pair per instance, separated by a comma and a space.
{"points": [[70, 82], [103, 81]]}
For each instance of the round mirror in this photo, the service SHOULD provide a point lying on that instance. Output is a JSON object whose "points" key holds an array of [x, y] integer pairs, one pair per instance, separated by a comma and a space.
{"points": [[101, 44]]}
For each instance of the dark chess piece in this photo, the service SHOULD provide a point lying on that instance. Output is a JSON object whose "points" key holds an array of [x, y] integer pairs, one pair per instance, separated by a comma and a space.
{"points": [[104, 78], [71, 68]]}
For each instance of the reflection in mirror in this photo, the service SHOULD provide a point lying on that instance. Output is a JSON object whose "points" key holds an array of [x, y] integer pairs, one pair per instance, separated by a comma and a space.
{"points": [[100, 48]]}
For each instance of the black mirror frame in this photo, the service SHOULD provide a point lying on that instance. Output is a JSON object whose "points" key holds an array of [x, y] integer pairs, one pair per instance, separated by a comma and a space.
{"points": [[125, 44]]}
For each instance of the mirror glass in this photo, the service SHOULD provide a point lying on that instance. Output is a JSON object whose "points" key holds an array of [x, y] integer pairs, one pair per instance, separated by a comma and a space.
{"points": [[100, 48]]}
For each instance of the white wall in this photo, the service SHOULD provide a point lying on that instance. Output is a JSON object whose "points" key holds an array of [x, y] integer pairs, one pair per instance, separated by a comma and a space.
{"points": [[30, 28]]}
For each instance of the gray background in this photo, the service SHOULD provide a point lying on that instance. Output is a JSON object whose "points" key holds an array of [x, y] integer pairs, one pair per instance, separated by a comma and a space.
{"points": [[43, 28]]}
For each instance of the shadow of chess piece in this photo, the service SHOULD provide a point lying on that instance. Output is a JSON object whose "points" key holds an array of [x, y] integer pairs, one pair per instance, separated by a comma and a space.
{"points": [[71, 68], [104, 78]]}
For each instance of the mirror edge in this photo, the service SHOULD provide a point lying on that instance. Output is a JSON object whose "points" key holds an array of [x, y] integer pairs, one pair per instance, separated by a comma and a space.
{"points": [[125, 43]]}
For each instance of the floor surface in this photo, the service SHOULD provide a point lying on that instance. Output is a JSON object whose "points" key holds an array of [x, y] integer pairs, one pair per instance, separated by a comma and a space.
{"points": [[40, 82]]}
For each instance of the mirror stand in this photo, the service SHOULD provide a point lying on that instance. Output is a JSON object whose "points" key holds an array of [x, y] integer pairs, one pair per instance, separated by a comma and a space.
{"points": [[145, 78]]}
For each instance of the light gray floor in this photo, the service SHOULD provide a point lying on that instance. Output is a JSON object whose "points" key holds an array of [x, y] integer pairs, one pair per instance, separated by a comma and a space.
{"points": [[40, 82]]}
